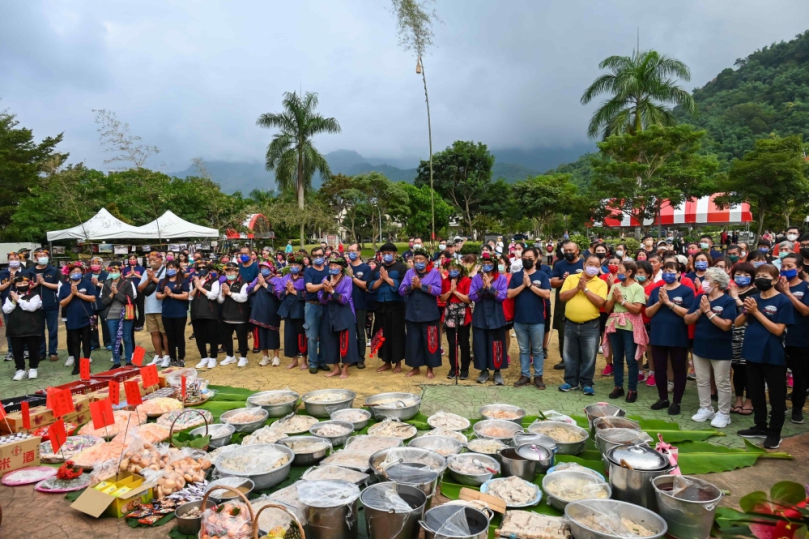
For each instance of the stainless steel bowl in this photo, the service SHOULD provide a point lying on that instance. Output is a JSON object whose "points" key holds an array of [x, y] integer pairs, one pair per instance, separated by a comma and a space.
{"points": [[406, 454], [216, 441], [450, 445], [536, 439], [561, 503], [393, 410], [339, 415], [245, 427], [477, 479], [516, 465], [576, 511], [324, 409], [233, 482], [539, 453], [263, 480], [564, 448], [335, 440], [485, 412], [307, 459], [510, 426], [275, 410], [190, 525], [602, 409], [601, 423]]}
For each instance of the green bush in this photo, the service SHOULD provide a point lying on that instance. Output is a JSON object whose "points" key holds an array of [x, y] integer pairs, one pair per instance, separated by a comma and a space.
{"points": [[632, 244], [582, 241], [471, 248]]}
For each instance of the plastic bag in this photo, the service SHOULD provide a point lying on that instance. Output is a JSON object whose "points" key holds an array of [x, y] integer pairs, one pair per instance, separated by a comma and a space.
{"points": [[366, 445], [553, 415], [327, 493], [694, 490], [603, 517], [231, 520], [411, 473], [448, 421], [670, 452], [289, 496], [455, 525], [529, 524], [265, 435], [393, 428], [174, 379], [408, 455], [385, 497], [334, 473], [624, 436], [574, 467], [252, 460], [272, 521]]}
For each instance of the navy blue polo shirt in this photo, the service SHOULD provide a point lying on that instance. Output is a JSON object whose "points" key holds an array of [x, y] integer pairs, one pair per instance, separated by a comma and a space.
{"points": [[249, 273], [761, 346], [668, 329], [710, 342], [51, 275], [313, 276], [174, 308], [528, 307], [358, 295], [798, 334], [78, 311], [563, 266]]}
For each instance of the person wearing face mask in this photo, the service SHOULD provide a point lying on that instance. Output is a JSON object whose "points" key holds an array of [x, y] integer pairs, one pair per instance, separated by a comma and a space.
{"points": [[7, 277], [742, 275], [784, 249], [407, 255], [77, 299], [135, 272], [706, 246], [97, 274], [24, 326], [488, 290], [265, 292], [796, 344], [360, 274], [793, 235], [173, 291], [666, 307], [571, 264], [153, 307], [442, 246], [701, 263], [47, 278], [504, 267], [248, 273], [204, 294], [338, 332], [608, 277], [233, 296], [313, 278], [118, 297], [457, 317], [768, 315], [764, 246], [642, 256], [292, 292], [648, 245], [622, 251], [744, 251], [421, 287], [583, 294], [733, 255], [390, 308]]}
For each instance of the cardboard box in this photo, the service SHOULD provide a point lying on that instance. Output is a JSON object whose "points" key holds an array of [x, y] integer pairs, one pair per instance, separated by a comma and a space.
{"points": [[115, 497], [42, 417], [19, 454]]}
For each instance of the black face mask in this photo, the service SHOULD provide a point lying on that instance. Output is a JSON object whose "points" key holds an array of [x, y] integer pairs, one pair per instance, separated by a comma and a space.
{"points": [[527, 264], [570, 257], [763, 284], [805, 252], [601, 255]]}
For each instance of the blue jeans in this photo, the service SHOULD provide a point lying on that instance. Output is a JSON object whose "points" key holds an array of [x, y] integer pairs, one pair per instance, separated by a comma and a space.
{"points": [[529, 339], [581, 347], [623, 346], [51, 326], [128, 346], [313, 313]]}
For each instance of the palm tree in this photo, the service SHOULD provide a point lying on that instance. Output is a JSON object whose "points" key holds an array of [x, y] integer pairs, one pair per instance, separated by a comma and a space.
{"points": [[291, 153], [639, 85]]}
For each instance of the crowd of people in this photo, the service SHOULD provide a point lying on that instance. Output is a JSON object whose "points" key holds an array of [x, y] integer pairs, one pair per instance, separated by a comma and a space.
{"points": [[734, 318]]}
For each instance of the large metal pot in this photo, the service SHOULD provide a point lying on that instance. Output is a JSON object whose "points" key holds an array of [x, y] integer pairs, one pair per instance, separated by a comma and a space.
{"points": [[275, 410], [535, 439], [264, 480], [220, 434], [436, 517], [477, 479], [326, 408], [490, 411], [385, 519], [190, 525], [563, 448], [577, 512], [394, 410], [690, 514], [252, 426], [602, 409], [509, 429], [514, 464], [415, 474], [432, 459], [601, 423], [327, 518], [606, 439], [542, 455], [632, 468]]}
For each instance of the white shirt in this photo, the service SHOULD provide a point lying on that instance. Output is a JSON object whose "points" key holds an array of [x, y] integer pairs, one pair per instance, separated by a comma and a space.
{"points": [[151, 304], [212, 294], [240, 297], [26, 305]]}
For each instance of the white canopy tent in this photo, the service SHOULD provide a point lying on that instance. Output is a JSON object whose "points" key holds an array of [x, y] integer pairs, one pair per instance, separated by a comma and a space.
{"points": [[169, 226], [102, 226]]}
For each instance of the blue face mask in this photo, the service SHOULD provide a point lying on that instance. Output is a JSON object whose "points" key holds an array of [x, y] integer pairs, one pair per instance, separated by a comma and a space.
{"points": [[487, 267], [701, 265], [171, 272], [789, 274], [335, 271], [742, 280], [244, 258], [76, 276], [764, 249], [214, 274], [420, 266], [294, 269], [454, 273], [669, 277], [387, 259], [353, 256], [758, 263], [318, 261], [621, 277], [605, 269], [265, 272], [640, 278]]}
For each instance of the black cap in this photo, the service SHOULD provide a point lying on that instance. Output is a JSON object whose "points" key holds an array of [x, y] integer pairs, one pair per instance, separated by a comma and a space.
{"points": [[231, 265], [23, 251], [21, 279], [389, 247]]}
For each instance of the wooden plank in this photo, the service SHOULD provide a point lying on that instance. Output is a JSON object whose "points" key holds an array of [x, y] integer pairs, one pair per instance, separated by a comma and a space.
{"points": [[495, 504]]}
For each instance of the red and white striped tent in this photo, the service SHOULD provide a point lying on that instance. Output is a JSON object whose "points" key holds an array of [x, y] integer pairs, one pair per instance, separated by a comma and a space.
{"points": [[701, 211]]}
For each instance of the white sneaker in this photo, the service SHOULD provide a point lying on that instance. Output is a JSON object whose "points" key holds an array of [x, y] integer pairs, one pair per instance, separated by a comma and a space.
{"points": [[32, 373], [228, 360], [703, 415], [156, 360], [91, 361], [70, 361], [242, 362], [19, 375], [670, 386], [601, 350], [264, 361], [276, 361], [166, 361], [720, 421], [211, 362], [203, 363]]}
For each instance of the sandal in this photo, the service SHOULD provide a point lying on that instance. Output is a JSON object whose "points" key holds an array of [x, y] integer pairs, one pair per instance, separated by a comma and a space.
{"points": [[735, 409], [746, 411]]}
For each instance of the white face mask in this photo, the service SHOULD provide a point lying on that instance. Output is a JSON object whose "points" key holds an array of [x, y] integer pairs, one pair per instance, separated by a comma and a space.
{"points": [[416, 246], [442, 247], [792, 237]]}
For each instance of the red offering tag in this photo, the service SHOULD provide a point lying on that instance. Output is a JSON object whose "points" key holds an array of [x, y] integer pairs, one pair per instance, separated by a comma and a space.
{"points": [[49, 398], [3, 411], [101, 412], [26, 416], [115, 392], [182, 386], [149, 376], [132, 393], [138, 355], [57, 435], [62, 401], [84, 368]]}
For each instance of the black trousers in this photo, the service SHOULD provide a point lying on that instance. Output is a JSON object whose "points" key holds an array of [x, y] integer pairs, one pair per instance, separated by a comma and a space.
{"points": [[295, 343], [740, 379], [18, 344], [360, 315], [139, 302], [679, 366], [78, 345], [463, 343], [775, 378], [241, 335], [798, 362], [175, 334], [206, 334]]}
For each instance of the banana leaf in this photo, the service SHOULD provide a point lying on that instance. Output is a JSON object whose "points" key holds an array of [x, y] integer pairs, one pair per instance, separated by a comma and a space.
{"points": [[702, 457]]}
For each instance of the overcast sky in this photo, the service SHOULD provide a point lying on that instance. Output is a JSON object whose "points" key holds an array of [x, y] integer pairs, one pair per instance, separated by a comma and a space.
{"points": [[192, 77]]}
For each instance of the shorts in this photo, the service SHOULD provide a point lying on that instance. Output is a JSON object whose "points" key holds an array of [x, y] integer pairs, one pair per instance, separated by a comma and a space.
{"points": [[154, 323]]}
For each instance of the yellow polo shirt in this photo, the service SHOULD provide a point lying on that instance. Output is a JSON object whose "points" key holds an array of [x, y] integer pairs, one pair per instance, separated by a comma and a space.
{"points": [[578, 308]]}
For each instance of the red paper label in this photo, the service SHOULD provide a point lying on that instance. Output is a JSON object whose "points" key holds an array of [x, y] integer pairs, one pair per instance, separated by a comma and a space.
{"points": [[3, 411], [57, 434], [138, 355], [182, 386], [84, 368], [132, 394], [149, 375], [101, 412], [115, 392], [26, 415], [49, 398], [62, 401]]}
